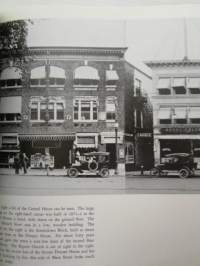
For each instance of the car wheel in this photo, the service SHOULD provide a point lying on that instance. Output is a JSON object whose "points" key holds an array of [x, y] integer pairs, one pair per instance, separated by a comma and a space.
{"points": [[93, 166], [104, 172], [155, 171], [184, 173], [72, 172]]}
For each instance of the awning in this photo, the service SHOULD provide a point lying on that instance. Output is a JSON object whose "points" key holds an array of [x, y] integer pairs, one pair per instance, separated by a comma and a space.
{"points": [[110, 106], [164, 113], [26, 137], [57, 72], [111, 75], [86, 140], [11, 73], [86, 72], [194, 112], [14, 151], [178, 82], [38, 73], [180, 113], [10, 105], [193, 83], [163, 83]]}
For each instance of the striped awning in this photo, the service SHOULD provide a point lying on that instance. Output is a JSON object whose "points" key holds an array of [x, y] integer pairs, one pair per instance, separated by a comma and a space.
{"points": [[11, 73], [178, 82], [111, 75], [26, 137], [38, 73], [194, 83], [86, 72], [163, 83], [57, 72]]}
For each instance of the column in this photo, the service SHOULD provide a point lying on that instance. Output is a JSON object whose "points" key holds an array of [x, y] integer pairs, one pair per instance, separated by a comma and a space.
{"points": [[156, 150]]}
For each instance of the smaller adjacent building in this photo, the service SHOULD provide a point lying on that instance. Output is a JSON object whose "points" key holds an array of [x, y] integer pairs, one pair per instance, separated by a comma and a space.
{"points": [[176, 107]]}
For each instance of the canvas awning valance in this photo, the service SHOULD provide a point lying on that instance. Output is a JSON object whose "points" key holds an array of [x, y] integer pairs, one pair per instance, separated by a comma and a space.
{"points": [[164, 113], [26, 137], [111, 75], [57, 72], [86, 72], [178, 82], [10, 105], [38, 73], [194, 112], [11, 73], [180, 113], [163, 83], [193, 83]]}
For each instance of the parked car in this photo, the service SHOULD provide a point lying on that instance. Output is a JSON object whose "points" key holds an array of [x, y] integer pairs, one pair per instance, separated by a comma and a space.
{"points": [[181, 163], [96, 163]]}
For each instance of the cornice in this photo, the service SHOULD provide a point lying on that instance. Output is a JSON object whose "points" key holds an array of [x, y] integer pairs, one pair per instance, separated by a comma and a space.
{"points": [[173, 63], [97, 51]]}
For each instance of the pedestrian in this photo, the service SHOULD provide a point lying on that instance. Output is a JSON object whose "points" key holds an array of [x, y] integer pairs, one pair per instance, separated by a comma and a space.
{"points": [[11, 162], [47, 161], [17, 163], [24, 161]]}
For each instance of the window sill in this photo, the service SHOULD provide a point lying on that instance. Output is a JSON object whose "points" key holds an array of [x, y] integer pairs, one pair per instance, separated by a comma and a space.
{"points": [[85, 87], [85, 121], [11, 87], [11, 122], [111, 87]]}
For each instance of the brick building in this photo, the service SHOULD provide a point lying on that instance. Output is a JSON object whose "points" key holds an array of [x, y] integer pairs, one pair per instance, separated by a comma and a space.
{"points": [[68, 99]]}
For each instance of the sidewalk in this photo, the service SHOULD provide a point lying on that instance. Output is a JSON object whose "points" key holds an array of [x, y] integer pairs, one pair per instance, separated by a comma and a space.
{"points": [[58, 172], [34, 172]]}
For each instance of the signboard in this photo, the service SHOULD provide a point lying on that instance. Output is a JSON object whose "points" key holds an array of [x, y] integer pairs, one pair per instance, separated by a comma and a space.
{"points": [[184, 130], [144, 135]]}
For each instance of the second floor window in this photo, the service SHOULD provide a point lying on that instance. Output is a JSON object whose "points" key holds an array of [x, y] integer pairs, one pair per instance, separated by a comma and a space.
{"points": [[85, 110], [40, 111], [110, 108]]}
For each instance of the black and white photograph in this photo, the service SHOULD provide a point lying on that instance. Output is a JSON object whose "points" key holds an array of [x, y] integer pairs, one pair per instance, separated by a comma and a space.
{"points": [[99, 133], [93, 105]]}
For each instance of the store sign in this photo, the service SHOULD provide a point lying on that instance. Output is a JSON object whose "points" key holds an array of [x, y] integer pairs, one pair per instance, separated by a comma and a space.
{"points": [[184, 130], [144, 135]]}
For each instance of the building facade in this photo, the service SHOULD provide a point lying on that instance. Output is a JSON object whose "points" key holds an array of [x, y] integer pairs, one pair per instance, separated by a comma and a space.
{"points": [[64, 100], [176, 108]]}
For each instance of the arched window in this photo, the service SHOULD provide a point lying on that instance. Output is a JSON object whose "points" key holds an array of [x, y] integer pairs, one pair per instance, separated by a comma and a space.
{"points": [[56, 76], [38, 76], [86, 76], [11, 77]]}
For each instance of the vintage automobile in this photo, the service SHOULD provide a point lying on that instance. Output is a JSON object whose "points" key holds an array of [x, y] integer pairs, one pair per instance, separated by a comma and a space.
{"points": [[176, 163], [96, 163]]}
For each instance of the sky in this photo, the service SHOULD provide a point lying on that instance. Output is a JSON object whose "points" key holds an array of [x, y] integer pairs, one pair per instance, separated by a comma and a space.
{"points": [[146, 39]]}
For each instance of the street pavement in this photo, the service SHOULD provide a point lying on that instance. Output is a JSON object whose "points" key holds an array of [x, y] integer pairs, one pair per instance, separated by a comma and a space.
{"points": [[36, 182]]}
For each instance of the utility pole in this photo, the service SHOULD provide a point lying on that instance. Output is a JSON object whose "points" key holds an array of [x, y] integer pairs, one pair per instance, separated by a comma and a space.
{"points": [[185, 40]]}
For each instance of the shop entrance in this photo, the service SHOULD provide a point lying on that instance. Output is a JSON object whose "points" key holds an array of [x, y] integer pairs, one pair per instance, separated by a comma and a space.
{"points": [[61, 150], [111, 148]]}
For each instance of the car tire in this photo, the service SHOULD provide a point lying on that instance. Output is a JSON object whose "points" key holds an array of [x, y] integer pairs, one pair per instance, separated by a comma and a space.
{"points": [[184, 173], [93, 166], [104, 172], [72, 172], [155, 171]]}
